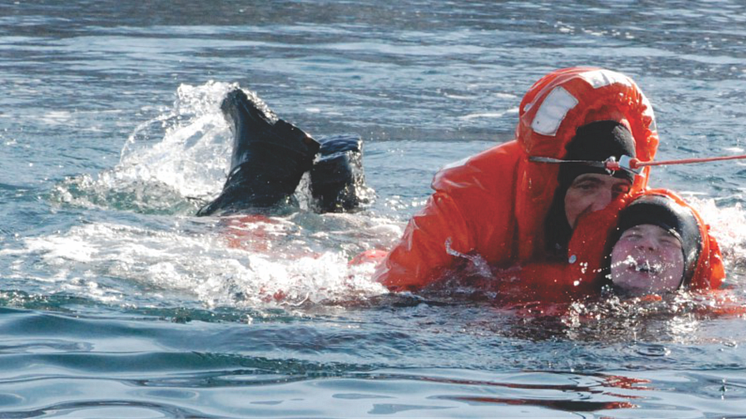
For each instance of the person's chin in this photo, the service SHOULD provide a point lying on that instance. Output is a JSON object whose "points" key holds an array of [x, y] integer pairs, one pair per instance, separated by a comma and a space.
{"points": [[636, 284]]}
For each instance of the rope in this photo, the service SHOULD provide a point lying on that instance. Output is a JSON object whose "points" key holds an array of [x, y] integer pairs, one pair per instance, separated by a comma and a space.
{"points": [[553, 160], [636, 163], [632, 164]]}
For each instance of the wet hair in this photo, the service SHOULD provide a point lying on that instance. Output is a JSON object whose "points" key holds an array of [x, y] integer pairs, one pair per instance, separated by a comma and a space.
{"points": [[664, 212], [596, 141]]}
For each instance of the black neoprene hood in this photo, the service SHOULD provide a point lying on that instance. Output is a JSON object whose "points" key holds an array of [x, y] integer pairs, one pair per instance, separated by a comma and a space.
{"points": [[665, 213], [597, 141]]}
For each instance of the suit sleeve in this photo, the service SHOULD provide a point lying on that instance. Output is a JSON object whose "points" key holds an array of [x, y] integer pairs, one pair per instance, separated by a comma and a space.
{"points": [[470, 212], [430, 245]]}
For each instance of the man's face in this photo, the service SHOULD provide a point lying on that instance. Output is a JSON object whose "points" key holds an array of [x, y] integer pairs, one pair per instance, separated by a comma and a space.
{"points": [[647, 259], [592, 192]]}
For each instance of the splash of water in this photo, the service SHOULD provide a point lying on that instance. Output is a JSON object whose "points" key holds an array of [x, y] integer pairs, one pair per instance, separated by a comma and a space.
{"points": [[179, 155], [728, 226]]}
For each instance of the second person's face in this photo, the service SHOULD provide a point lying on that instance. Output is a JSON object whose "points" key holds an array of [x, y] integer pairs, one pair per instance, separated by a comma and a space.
{"points": [[647, 259]]}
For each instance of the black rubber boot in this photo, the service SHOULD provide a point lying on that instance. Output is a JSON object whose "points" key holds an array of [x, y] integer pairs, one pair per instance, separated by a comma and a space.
{"points": [[269, 157], [337, 179]]}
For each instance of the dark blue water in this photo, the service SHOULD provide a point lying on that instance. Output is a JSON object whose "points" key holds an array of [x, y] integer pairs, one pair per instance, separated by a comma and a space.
{"points": [[115, 301]]}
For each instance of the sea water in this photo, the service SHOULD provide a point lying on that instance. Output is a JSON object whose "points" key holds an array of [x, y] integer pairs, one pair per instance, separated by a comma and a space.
{"points": [[115, 301]]}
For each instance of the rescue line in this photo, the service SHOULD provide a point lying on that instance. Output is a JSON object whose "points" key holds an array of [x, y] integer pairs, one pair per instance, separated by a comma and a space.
{"points": [[632, 164]]}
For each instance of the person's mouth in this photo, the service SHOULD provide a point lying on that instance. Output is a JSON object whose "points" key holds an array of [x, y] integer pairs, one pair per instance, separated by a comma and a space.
{"points": [[645, 267]]}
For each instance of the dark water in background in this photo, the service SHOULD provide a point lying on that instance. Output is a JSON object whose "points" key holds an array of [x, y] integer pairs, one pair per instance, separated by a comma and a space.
{"points": [[117, 302]]}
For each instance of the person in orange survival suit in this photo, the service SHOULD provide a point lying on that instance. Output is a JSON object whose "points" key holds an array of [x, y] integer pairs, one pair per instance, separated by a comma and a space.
{"points": [[496, 204]]}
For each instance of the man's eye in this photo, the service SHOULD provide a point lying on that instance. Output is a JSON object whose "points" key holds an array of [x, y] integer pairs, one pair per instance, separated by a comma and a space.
{"points": [[586, 186]]}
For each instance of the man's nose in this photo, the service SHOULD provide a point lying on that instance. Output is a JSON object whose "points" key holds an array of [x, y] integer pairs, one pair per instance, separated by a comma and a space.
{"points": [[602, 199]]}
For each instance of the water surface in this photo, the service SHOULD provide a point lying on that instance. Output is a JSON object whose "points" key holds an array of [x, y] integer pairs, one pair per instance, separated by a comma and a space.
{"points": [[117, 301]]}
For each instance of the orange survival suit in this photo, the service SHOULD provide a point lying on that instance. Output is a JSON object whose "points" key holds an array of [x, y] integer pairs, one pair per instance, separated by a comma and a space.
{"points": [[494, 204]]}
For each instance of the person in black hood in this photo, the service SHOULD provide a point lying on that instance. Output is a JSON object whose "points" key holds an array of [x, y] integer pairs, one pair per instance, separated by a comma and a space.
{"points": [[656, 246], [583, 188]]}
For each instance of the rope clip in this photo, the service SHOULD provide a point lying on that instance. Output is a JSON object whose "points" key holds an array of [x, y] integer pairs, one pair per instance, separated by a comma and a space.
{"points": [[627, 163]]}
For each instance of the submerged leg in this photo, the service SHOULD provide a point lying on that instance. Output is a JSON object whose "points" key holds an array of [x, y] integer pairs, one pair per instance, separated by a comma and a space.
{"points": [[269, 157]]}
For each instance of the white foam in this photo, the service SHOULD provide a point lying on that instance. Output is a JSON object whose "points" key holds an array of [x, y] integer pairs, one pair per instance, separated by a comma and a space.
{"points": [[483, 115], [211, 266], [728, 226], [56, 117]]}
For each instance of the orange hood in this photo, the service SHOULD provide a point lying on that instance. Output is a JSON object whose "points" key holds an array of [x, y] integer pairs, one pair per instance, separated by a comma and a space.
{"points": [[549, 115]]}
